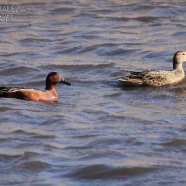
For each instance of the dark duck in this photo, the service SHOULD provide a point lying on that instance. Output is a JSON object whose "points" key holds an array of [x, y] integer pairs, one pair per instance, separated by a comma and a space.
{"points": [[48, 95]]}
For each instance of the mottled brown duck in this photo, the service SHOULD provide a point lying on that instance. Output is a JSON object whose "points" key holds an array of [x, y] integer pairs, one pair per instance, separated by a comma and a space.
{"points": [[157, 78]]}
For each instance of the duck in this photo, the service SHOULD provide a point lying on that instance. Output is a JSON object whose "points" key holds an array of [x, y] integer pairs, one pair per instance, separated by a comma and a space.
{"points": [[157, 78], [28, 94]]}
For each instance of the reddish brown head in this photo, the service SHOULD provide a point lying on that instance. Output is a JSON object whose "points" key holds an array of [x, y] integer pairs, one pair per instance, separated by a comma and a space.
{"points": [[53, 79]]}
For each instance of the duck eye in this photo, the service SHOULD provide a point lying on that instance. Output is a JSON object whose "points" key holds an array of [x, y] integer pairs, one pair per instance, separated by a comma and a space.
{"points": [[183, 53]]}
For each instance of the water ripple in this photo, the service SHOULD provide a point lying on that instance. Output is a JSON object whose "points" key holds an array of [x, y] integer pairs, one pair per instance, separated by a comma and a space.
{"points": [[98, 133], [108, 172]]}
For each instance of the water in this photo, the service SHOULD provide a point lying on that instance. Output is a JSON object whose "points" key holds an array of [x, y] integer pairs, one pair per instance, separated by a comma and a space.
{"points": [[98, 133]]}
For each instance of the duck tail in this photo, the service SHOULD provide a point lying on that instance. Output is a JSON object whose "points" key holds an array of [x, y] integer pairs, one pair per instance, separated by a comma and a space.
{"points": [[4, 92]]}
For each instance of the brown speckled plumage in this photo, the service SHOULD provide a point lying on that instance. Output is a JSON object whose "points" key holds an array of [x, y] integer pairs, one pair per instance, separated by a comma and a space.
{"points": [[157, 77]]}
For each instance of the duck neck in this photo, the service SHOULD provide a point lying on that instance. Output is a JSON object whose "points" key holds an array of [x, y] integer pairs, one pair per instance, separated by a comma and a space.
{"points": [[177, 65], [49, 86]]}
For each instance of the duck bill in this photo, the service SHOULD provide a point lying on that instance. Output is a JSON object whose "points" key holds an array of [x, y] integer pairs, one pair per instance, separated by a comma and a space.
{"points": [[65, 82]]}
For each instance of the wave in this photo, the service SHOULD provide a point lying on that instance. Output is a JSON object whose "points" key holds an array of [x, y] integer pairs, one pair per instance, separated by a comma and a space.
{"points": [[16, 70], [77, 67], [35, 166], [101, 171]]}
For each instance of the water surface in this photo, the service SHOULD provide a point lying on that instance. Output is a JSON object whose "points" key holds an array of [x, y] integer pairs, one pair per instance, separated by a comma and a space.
{"points": [[98, 133]]}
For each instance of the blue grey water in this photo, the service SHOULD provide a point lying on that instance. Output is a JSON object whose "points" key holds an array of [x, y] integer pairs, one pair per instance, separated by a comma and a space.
{"points": [[98, 133]]}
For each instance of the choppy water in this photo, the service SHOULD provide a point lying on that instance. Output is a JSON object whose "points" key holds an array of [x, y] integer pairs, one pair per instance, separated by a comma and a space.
{"points": [[98, 133]]}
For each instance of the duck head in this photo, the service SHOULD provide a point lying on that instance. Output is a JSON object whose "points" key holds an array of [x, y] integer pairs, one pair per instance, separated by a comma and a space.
{"points": [[179, 58], [53, 79]]}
